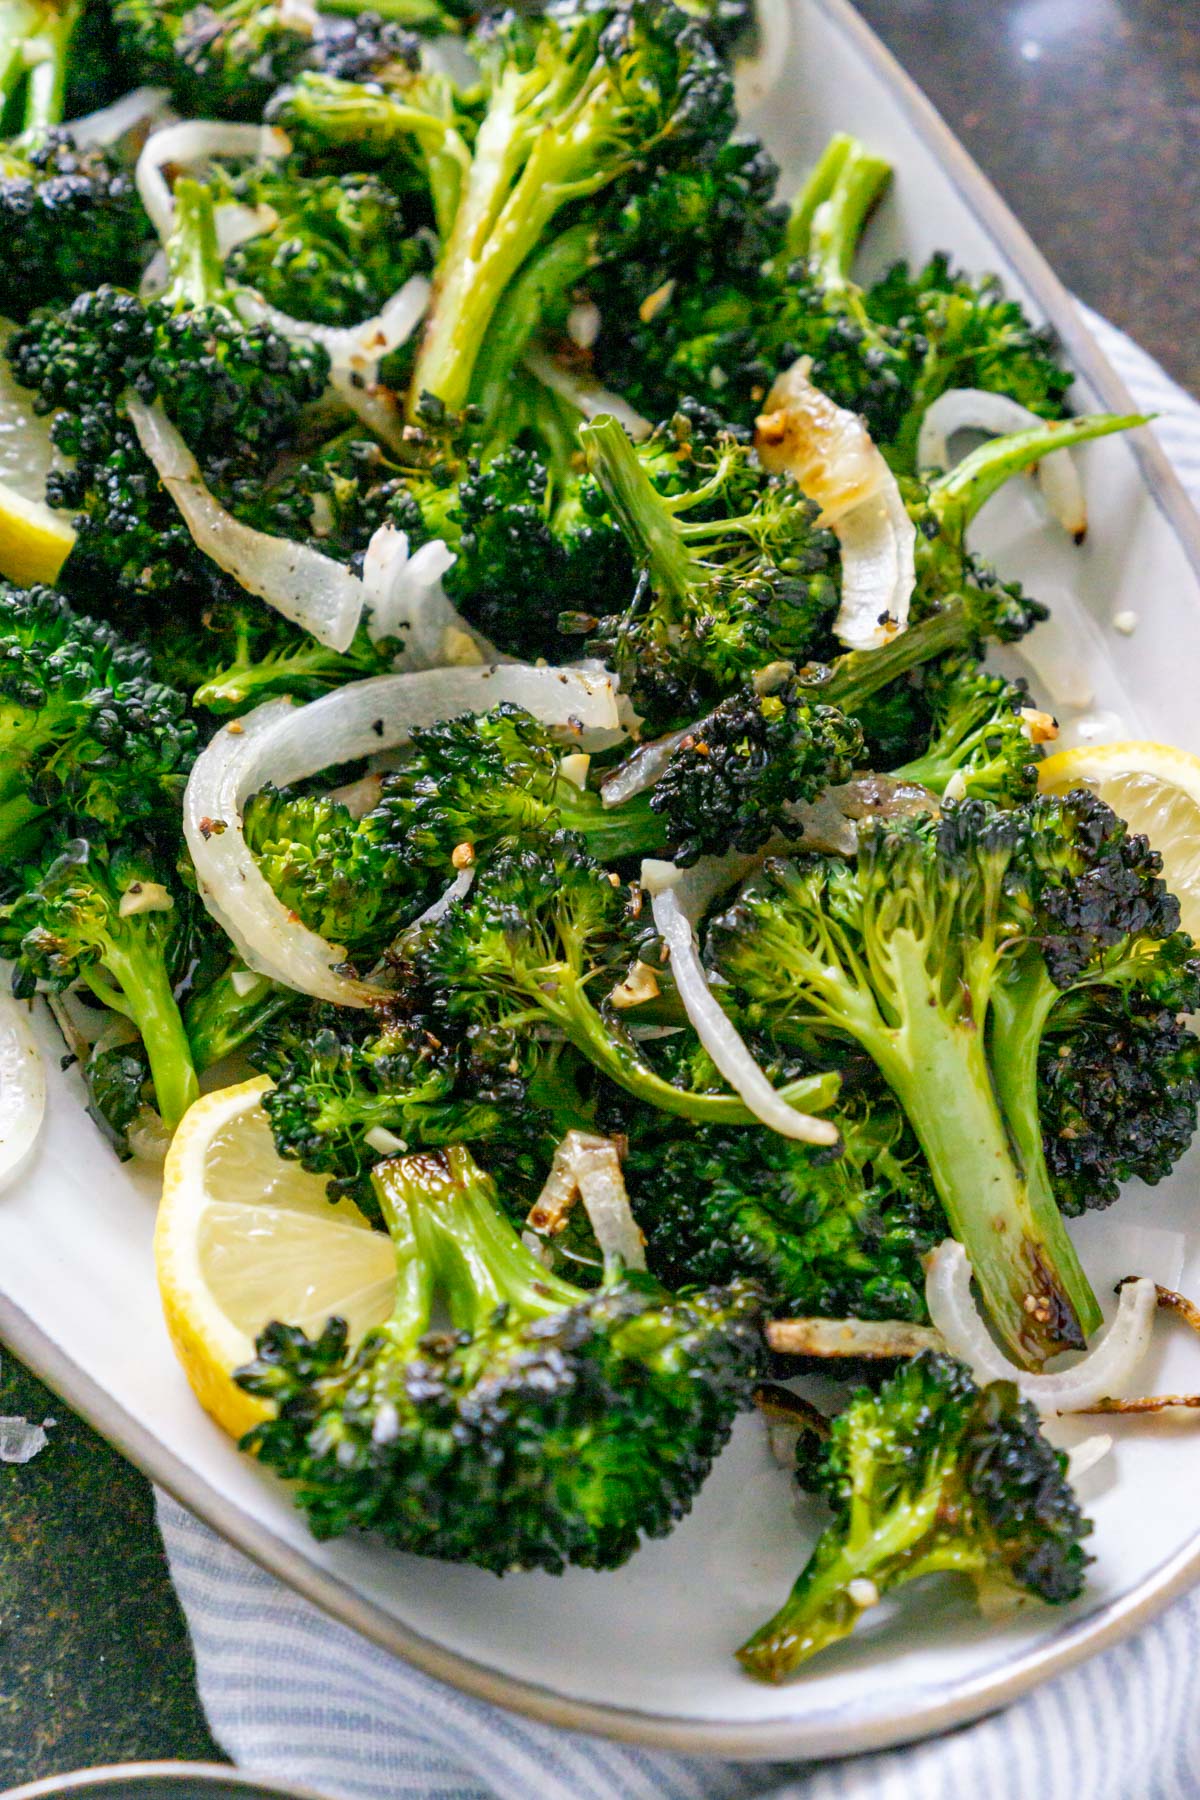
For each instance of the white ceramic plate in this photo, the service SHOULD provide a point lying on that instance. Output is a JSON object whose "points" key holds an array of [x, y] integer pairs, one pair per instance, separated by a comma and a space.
{"points": [[646, 1653]]}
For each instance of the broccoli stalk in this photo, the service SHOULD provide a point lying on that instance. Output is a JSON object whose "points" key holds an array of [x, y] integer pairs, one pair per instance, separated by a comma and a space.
{"points": [[903, 955], [931, 1475], [525, 948], [70, 216], [575, 98], [550, 1426], [957, 605], [35, 40], [108, 919], [828, 215]]}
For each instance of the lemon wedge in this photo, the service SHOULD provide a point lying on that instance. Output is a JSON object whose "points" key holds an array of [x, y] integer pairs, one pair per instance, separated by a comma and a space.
{"points": [[244, 1237], [1156, 788], [34, 541]]}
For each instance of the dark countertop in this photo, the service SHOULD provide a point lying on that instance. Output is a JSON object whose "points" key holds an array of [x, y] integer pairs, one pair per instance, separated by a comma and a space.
{"points": [[1086, 113]]}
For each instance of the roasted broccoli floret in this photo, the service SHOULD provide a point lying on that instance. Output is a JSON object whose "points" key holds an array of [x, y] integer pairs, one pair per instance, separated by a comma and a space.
{"points": [[963, 332], [112, 919], [931, 1474], [347, 878], [734, 572], [350, 1089], [497, 780], [70, 216], [540, 939], [985, 736], [941, 952], [227, 1011], [826, 1233], [236, 393], [1119, 1082], [551, 1425], [576, 98], [339, 247], [734, 778], [234, 651], [85, 731]]}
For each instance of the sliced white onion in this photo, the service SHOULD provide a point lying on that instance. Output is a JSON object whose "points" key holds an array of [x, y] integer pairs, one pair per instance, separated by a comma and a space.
{"points": [[829, 454], [196, 141], [642, 769], [355, 351], [458, 889], [237, 224], [974, 409], [283, 743], [1082, 1458], [109, 124], [22, 1089], [312, 590], [711, 1022], [405, 598], [1101, 1373], [872, 1339], [585, 393], [590, 1167]]}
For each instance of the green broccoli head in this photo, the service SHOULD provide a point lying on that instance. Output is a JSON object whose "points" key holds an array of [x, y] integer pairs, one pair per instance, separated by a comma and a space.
{"points": [[551, 1426], [930, 1474], [115, 920], [733, 573], [71, 219], [984, 737], [831, 1234], [731, 782], [345, 877], [1119, 1081], [964, 332], [225, 59], [85, 731], [340, 246]]}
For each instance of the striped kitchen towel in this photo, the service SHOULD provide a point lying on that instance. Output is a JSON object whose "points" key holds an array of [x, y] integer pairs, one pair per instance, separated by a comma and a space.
{"points": [[290, 1693]]}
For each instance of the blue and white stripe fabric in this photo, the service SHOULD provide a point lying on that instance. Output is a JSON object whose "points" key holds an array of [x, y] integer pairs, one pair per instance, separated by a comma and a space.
{"points": [[292, 1694]]}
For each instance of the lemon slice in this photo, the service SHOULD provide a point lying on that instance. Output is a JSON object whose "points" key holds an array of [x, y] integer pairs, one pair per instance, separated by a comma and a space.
{"points": [[1156, 788], [35, 542], [244, 1237]]}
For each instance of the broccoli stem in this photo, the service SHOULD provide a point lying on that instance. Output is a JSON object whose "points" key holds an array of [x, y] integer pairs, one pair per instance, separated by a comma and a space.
{"points": [[46, 53], [958, 495], [1019, 1012], [646, 520], [549, 274], [397, 12], [143, 994], [1021, 1256], [451, 1239], [193, 251], [614, 1055], [832, 208], [220, 1018], [819, 1610]]}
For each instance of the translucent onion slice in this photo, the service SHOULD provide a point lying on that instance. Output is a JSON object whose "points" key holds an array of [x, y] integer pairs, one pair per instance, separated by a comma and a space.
{"points": [[590, 1167], [198, 141], [642, 768], [974, 409], [22, 1089], [712, 1024], [584, 393], [828, 452], [1101, 1373], [308, 588], [355, 351], [872, 1339], [109, 124], [283, 743]]}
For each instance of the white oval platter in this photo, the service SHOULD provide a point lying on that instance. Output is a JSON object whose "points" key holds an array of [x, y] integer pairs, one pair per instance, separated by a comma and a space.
{"points": [[645, 1654]]}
